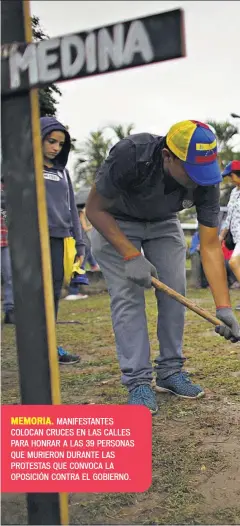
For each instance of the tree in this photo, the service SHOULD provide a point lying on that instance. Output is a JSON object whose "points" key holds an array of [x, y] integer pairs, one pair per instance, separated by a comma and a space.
{"points": [[47, 96], [47, 100], [122, 132], [91, 155], [94, 151], [225, 131]]}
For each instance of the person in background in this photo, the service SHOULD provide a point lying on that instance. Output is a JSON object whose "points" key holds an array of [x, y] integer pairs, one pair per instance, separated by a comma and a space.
{"points": [[197, 268], [63, 220], [199, 277], [6, 271], [232, 222], [87, 227], [73, 291], [227, 254]]}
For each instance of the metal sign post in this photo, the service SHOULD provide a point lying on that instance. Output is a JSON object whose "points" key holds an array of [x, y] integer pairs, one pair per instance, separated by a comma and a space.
{"points": [[26, 66]]}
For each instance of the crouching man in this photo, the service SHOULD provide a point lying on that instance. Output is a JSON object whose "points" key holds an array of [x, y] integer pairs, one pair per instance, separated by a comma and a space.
{"points": [[133, 206]]}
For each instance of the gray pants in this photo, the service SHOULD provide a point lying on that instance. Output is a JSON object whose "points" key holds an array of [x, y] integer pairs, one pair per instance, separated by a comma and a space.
{"points": [[164, 246], [6, 273]]}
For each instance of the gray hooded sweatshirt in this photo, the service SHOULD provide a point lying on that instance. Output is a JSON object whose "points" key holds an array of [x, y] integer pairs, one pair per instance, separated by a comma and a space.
{"points": [[63, 220]]}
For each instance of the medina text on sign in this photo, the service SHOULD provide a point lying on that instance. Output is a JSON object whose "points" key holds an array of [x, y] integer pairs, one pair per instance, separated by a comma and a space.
{"points": [[119, 46]]}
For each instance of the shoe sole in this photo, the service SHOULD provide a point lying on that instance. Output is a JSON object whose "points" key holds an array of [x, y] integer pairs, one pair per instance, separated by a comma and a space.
{"points": [[69, 363], [153, 411], [165, 390]]}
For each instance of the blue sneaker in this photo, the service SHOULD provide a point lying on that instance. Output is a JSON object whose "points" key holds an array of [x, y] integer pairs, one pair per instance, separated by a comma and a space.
{"points": [[66, 358], [143, 395], [180, 385]]}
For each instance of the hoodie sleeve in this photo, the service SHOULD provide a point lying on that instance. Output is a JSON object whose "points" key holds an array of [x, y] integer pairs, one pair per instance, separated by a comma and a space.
{"points": [[77, 228]]}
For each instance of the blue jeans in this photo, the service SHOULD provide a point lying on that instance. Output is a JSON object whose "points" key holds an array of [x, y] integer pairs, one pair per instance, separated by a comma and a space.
{"points": [[88, 252], [89, 259], [73, 288]]}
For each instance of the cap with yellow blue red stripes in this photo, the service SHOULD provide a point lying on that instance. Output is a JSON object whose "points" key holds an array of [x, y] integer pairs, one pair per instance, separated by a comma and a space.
{"points": [[195, 144]]}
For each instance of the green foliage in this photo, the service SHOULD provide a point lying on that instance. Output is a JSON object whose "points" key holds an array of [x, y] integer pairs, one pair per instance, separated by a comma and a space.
{"points": [[92, 153], [47, 96], [121, 132], [225, 131]]}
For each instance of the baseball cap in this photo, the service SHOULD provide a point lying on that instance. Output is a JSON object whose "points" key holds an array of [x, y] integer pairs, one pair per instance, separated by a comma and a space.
{"points": [[231, 167], [195, 144]]}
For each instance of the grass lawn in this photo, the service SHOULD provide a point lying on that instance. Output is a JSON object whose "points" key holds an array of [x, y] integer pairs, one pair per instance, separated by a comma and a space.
{"points": [[196, 444]]}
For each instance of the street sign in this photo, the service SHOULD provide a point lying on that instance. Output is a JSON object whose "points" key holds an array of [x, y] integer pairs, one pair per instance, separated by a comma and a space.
{"points": [[129, 44]]}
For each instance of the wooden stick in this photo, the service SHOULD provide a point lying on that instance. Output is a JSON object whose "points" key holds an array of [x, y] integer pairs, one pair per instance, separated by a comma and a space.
{"points": [[188, 303]]}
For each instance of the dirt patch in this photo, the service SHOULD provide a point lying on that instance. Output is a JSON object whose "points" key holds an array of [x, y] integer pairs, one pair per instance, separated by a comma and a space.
{"points": [[225, 484], [13, 509]]}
